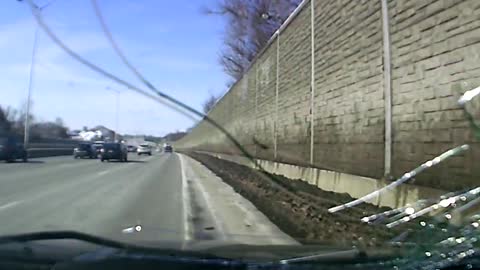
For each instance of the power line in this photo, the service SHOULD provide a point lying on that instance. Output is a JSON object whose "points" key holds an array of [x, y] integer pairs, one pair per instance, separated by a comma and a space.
{"points": [[122, 56], [69, 51], [163, 95], [39, 18]]}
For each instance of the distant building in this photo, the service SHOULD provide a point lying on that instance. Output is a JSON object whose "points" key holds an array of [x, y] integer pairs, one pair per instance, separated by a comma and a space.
{"points": [[98, 133], [72, 133]]}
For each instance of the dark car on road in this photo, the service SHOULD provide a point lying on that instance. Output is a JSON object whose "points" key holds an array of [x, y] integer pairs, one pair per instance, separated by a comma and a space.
{"points": [[11, 149], [98, 148], [168, 149], [85, 150], [114, 151]]}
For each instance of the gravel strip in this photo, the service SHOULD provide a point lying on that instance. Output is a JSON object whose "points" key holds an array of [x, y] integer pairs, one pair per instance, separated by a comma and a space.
{"points": [[300, 209]]}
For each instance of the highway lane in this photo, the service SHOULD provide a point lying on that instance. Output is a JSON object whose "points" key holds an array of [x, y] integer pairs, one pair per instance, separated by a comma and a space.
{"points": [[86, 195], [172, 197]]}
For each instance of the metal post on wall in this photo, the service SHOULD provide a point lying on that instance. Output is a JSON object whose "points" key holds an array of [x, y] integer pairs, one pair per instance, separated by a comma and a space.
{"points": [[256, 112], [277, 84], [388, 89], [312, 81]]}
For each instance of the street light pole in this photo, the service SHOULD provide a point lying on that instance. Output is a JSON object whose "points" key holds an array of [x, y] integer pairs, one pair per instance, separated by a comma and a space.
{"points": [[26, 131]]}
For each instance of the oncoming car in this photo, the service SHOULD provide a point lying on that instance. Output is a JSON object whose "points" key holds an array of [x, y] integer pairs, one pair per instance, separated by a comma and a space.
{"points": [[84, 150], [168, 149], [116, 151]]}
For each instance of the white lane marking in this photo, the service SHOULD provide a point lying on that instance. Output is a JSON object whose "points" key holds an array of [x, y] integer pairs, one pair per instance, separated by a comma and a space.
{"points": [[8, 205], [72, 185], [209, 204], [185, 202], [103, 172]]}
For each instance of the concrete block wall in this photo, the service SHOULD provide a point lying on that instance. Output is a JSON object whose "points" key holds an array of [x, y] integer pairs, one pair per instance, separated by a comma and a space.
{"points": [[338, 100], [266, 67], [349, 105], [293, 127], [435, 58]]}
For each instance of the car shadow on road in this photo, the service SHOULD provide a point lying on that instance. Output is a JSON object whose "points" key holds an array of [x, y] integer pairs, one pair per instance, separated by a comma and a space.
{"points": [[21, 162], [128, 161], [136, 161], [35, 161]]}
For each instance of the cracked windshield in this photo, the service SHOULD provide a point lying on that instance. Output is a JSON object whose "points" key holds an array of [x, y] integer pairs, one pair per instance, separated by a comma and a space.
{"points": [[317, 134]]}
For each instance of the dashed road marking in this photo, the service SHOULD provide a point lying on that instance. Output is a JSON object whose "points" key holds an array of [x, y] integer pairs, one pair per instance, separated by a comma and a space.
{"points": [[209, 204], [103, 172], [8, 205]]}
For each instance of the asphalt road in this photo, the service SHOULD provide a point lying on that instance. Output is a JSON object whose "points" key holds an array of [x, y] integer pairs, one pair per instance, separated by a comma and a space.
{"points": [[60, 193], [175, 200]]}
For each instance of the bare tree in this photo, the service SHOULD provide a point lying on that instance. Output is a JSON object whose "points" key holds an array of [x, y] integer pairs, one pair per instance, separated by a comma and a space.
{"points": [[5, 124], [59, 122], [11, 114], [250, 24], [17, 118], [48, 130], [209, 103], [12, 122]]}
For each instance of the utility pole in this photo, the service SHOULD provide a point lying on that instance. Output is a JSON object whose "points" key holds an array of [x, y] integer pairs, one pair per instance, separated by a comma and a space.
{"points": [[26, 132]]}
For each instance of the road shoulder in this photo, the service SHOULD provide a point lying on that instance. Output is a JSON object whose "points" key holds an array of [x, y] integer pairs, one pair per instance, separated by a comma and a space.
{"points": [[217, 212]]}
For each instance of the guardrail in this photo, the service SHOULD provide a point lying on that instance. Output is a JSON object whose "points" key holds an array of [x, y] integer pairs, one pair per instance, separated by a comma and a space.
{"points": [[48, 150]]}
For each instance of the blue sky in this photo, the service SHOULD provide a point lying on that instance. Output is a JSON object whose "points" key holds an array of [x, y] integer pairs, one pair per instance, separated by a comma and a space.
{"points": [[172, 43]]}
